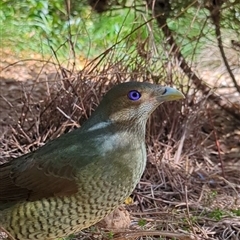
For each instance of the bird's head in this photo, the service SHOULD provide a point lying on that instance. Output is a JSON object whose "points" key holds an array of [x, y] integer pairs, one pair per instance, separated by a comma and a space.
{"points": [[131, 103]]}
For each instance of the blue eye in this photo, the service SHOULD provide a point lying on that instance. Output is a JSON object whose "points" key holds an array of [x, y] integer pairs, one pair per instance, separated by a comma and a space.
{"points": [[134, 95]]}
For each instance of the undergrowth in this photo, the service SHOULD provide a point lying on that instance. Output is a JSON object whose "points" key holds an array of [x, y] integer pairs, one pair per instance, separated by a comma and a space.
{"points": [[184, 192]]}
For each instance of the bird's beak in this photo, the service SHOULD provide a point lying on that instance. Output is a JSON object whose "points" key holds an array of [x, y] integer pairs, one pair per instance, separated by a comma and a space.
{"points": [[171, 94]]}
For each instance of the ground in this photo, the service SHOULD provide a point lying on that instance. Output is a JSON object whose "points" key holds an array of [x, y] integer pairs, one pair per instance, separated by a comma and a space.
{"points": [[191, 187]]}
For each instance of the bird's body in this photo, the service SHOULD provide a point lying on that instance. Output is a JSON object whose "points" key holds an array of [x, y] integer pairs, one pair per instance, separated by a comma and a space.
{"points": [[75, 180], [96, 195]]}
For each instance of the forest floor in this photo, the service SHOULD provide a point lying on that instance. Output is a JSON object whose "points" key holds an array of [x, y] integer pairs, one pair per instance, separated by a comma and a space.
{"points": [[191, 187]]}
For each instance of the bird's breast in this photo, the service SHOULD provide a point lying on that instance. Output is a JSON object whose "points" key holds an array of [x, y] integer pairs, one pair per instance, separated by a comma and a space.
{"points": [[118, 167]]}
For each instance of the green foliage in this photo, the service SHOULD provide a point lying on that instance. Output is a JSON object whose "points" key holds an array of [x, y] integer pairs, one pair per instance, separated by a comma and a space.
{"points": [[110, 235], [46, 25], [191, 33], [38, 25], [216, 214], [236, 212], [43, 26], [142, 222]]}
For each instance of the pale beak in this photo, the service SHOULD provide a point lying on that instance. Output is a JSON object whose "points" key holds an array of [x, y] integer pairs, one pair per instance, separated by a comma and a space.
{"points": [[171, 94]]}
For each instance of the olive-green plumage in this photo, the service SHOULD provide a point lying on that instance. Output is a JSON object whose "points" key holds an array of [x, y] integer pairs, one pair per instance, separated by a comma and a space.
{"points": [[75, 180]]}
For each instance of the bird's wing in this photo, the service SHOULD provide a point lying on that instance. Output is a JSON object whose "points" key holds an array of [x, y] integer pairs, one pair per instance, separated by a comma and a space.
{"points": [[49, 171]]}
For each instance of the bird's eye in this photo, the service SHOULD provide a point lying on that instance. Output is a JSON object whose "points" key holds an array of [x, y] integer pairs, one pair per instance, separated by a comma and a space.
{"points": [[134, 95]]}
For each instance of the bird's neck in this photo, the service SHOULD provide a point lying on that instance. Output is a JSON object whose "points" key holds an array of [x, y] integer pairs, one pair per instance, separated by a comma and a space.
{"points": [[98, 121]]}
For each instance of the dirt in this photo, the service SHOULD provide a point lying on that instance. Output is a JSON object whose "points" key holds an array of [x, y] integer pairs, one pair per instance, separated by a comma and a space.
{"points": [[29, 82]]}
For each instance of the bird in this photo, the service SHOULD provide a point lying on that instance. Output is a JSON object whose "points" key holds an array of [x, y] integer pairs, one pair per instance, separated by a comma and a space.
{"points": [[75, 180]]}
